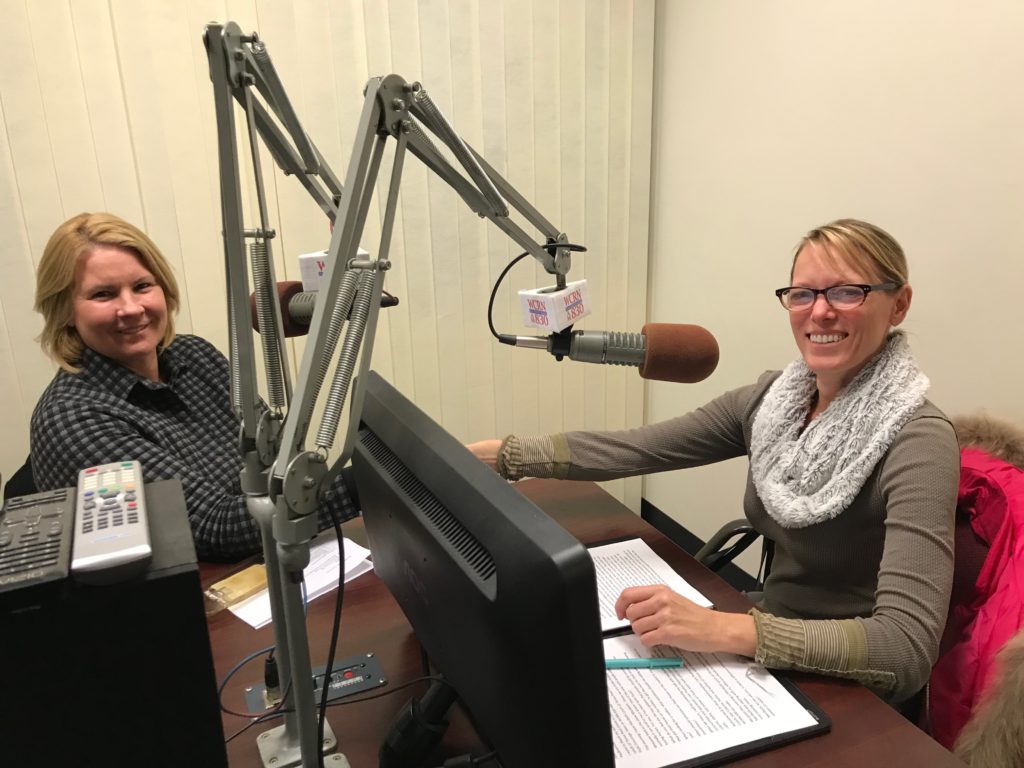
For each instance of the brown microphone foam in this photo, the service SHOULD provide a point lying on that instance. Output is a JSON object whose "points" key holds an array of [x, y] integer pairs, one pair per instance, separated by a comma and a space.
{"points": [[684, 354], [285, 291]]}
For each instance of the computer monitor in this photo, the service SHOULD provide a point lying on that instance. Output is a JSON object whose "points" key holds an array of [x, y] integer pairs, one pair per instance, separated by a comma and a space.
{"points": [[502, 598]]}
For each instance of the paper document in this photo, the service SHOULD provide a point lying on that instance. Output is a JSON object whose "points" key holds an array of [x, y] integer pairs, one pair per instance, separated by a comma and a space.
{"points": [[321, 576], [715, 701], [632, 563]]}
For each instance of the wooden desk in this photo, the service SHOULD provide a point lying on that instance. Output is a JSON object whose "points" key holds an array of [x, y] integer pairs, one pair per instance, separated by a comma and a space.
{"points": [[865, 731]]}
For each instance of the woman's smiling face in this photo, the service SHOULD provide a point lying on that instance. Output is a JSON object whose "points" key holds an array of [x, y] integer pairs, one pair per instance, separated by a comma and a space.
{"points": [[119, 309], [837, 343]]}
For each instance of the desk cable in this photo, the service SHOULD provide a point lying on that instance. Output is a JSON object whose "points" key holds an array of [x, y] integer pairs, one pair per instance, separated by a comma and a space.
{"points": [[440, 693], [271, 715], [269, 676], [339, 600]]}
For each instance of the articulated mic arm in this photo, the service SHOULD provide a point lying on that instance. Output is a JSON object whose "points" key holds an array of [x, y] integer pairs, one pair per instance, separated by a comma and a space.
{"points": [[283, 478], [392, 108]]}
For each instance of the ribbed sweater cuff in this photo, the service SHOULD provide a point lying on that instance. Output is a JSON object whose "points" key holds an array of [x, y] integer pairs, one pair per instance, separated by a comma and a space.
{"points": [[835, 647], [546, 456]]}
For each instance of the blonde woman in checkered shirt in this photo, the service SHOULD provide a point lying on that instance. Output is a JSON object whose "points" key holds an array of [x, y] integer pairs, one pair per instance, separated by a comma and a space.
{"points": [[130, 388]]}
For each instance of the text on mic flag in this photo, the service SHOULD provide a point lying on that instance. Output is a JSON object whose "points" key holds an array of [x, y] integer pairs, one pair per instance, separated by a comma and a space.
{"points": [[552, 310]]}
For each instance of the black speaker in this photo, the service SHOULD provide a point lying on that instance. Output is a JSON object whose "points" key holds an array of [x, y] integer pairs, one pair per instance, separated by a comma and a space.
{"points": [[116, 675]]}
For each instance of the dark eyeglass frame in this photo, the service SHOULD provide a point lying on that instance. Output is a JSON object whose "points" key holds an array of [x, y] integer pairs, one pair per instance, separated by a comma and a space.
{"points": [[781, 294]]}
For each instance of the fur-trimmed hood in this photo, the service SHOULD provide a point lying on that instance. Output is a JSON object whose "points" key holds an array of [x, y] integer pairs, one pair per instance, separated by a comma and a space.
{"points": [[998, 438]]}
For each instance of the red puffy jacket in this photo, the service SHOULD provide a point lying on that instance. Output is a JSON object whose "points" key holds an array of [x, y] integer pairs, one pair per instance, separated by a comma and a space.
{"points": [[992, 494]]}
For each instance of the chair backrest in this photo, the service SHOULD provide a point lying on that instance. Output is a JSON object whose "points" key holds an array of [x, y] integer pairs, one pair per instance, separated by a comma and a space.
{"points": [[729, 541], [21, 483], [969, 555]]}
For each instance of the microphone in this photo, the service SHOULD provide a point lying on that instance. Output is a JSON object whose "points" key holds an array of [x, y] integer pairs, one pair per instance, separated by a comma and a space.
{"points": [[297, 307], [684, 354]]}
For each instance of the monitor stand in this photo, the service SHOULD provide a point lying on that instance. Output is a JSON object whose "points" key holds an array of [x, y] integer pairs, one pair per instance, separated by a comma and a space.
{"points": [[419, 728]]}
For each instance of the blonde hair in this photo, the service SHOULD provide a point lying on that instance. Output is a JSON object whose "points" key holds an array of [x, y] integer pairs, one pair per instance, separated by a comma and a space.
{"points": [[867, 248], [55, 278]]}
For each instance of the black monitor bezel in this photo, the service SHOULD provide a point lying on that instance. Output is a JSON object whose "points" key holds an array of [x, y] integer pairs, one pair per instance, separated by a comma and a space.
{"points": [[522, 645]]}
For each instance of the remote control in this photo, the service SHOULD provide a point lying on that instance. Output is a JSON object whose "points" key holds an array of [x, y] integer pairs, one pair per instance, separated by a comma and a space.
{"points": [[111, 531], [35, 539]]}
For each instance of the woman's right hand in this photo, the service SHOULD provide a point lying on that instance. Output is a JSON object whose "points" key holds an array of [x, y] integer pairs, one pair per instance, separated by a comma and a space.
{"points": [[486, 451]]}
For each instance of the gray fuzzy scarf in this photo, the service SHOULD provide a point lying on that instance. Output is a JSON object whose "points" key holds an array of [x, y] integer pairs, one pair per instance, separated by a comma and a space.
{"points": [[808, 476]]}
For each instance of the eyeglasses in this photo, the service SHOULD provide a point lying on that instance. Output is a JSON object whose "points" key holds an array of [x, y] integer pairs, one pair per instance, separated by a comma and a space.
{"points": [[846, 296]]}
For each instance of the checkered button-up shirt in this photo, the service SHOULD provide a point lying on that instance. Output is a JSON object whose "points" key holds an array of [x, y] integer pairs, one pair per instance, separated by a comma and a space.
{"points": [[182, 427]]}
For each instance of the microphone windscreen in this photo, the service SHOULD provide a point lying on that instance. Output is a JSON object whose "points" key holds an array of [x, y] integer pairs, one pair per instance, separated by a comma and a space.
{"points": [[684, 354], [285, 291]]}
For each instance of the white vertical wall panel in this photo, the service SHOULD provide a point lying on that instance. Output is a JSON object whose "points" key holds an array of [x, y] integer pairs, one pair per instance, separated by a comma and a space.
{"points": [[641, 100], [26, 125], [107, 117], [15, 348], [572, 119], [520, 151], [107, 105], [407, 61], [546, 94], [617, 302], [64, 105], [467, 112], [499, 248], [396, 323], [29, 197], [595, 165], [444, 205]]}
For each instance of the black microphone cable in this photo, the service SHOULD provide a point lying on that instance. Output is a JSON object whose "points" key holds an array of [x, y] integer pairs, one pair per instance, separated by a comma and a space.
{"points": [[505, 338], [325, 687]]}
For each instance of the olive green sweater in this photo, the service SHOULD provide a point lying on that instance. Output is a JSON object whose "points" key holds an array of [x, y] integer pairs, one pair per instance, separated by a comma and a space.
{"points": [[861, 596]]}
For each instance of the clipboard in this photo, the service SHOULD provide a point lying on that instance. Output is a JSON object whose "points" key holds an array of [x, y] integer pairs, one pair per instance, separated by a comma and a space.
{"points": [[822, 725], [714, 709], [694, 701]]}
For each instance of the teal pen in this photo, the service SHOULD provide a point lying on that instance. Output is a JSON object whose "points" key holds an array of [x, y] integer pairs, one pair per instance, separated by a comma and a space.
{"points": [[642, 663]]}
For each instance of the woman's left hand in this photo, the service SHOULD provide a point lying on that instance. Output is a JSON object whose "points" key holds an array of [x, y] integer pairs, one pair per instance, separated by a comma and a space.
{"points": [[660, 616], [487, 451]]}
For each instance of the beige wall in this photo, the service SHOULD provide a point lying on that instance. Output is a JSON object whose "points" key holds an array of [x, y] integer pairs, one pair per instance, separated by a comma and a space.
{"points": [[772, 117], [107, 105], [769, 118]]}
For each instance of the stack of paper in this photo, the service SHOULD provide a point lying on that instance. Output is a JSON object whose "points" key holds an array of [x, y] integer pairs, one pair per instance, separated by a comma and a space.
{"points": [[632, 563], [321, 576], [714, 703]]}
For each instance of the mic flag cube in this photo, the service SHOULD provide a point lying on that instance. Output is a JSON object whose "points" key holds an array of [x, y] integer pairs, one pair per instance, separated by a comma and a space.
{"points": [[311, 269], [552, 310], [313, 265]]}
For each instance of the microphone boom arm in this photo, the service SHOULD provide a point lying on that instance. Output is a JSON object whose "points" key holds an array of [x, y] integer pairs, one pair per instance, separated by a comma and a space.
{"points": [[240, 64], [282, 479]]}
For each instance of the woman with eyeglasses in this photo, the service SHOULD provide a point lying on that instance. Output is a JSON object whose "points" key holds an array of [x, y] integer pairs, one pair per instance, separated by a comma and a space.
{"points": [[853, 475]]}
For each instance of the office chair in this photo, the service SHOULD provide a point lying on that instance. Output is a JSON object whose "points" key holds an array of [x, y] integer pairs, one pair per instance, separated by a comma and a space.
{"points": [[21, 482], [729, 541]]}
